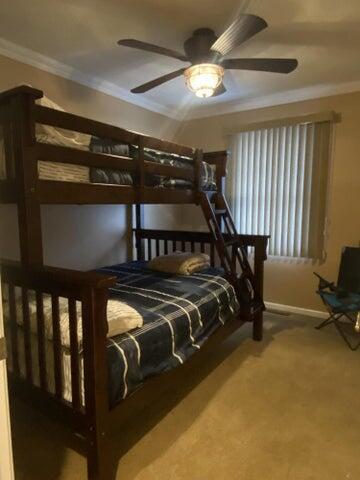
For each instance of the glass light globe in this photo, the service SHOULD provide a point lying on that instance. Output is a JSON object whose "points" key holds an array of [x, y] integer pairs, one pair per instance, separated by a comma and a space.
{"points": [[203, 79]]}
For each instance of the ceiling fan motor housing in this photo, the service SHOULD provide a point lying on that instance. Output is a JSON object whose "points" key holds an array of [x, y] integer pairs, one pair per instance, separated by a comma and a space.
{"points": [[198, 46]]}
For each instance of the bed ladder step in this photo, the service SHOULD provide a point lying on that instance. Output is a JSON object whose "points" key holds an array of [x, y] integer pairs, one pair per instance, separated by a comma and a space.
{"points": [[220, 212], [232, 242], [233, 260]]}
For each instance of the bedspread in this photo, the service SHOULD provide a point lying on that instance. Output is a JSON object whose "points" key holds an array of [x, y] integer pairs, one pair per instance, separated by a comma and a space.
{"points": [[179, 314]]}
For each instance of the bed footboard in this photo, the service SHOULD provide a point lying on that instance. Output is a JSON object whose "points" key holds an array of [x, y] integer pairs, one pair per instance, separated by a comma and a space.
{"points": [[41, 359]]}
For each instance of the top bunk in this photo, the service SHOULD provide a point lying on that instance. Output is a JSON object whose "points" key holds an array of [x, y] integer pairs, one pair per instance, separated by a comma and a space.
{"points": [[54, 157]]}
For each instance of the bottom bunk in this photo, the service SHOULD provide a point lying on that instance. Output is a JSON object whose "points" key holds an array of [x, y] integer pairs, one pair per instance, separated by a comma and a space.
{"points": [[156, 322], [168, 318]]}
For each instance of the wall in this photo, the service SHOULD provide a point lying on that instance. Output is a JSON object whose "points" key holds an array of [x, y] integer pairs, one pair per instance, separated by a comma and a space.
{"points": [[80, 237], [289, 283]]}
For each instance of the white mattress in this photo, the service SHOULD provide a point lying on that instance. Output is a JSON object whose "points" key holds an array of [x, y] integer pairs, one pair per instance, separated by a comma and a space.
{"points": [[63, 172], [49, 356], [48, 170]]}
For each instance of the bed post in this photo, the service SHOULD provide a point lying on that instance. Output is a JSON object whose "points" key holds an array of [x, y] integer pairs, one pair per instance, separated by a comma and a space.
{"points": [[100, 463], [259, 258], [219, 159], [139, 225], [22, 103]]}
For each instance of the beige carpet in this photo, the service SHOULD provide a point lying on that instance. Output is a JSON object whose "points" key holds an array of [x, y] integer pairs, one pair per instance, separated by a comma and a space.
{"points": [[286, 408]]}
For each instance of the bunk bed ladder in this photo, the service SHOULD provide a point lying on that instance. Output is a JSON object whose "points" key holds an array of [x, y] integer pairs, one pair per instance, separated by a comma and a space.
{"points": [[231, 251]]}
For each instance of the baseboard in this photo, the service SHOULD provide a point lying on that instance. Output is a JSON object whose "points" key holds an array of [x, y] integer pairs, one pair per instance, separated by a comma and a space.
{"points": [[298, 310]]}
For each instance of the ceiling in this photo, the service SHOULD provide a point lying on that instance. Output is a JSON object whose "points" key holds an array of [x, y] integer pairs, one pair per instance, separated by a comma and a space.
{"points": [[81, 35]]}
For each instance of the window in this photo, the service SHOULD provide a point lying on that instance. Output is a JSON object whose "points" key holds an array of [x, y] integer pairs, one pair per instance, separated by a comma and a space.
{"points": [[277, 185]]}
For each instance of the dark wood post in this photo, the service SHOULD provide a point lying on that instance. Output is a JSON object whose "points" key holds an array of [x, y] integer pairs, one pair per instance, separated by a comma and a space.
{"points": [[100, 464], [139, 225], [141, 168], [197, 169], [22, 106], [259, 257], [219, 159]]}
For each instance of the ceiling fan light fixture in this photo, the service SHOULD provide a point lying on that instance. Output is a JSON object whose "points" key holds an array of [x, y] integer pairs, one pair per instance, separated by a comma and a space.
{"points": [[204, 79]]}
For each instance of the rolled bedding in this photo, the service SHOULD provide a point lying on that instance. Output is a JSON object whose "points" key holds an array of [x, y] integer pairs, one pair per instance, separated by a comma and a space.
{"points": [[180, 263]]}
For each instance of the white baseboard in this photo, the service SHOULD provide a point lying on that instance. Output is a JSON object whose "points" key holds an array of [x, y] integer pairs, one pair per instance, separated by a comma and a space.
{"points": [[300, 311]]}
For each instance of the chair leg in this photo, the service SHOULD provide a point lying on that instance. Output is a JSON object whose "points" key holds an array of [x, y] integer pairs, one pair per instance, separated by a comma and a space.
{"points": [[331, 319], [345, 338]]}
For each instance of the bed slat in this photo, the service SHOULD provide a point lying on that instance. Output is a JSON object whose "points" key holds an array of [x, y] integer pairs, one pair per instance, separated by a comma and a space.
{"points": [[14, 330], [157, 247], [69, 121], [141, 165], [56, 345], [58, 154], [149, 249], [212, 255], [41, 339], [27, 333], [74, 352]]}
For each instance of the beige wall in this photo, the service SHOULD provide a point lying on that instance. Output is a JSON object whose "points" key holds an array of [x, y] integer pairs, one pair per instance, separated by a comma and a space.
{"points": [[287, 283], [80, 237]]}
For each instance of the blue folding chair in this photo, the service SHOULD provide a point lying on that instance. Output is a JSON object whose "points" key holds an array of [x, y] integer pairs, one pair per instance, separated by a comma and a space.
{"points": [[343, 300]]}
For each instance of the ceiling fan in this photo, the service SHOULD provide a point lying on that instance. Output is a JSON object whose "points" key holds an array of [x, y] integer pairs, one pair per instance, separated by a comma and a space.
{"points": [[205, 51]]}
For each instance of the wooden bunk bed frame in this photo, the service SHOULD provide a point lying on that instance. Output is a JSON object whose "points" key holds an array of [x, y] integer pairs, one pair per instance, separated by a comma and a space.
{"points": [[92, 422]]}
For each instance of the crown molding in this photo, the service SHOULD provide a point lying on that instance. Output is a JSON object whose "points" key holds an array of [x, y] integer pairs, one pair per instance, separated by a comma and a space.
{"points": [[35, 59], [271, 100]]}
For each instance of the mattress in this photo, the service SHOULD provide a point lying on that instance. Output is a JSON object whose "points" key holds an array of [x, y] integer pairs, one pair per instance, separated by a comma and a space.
{"points": [[179, 314], [49, 359]]}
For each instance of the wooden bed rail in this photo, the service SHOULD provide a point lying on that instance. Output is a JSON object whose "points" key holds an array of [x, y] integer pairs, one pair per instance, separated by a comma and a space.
{"points": [[77, 123], [36, 299], [45, 277], [19, 115]]}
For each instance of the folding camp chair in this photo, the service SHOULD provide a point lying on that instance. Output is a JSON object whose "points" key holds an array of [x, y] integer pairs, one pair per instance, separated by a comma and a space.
{"points": [[343, 300]]}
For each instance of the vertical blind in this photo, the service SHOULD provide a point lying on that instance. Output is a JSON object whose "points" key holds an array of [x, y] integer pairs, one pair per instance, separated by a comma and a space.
{"points": [[277, 185]]}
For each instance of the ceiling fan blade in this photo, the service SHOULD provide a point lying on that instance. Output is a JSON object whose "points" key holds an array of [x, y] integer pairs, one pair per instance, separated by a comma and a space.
{"points": [[149, 47], [158, 81], [277, 65], [243, 28], [220, 90]]}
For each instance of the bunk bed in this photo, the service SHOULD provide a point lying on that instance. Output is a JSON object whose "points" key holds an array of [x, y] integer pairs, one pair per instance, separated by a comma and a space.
{"points": [[131, 169]]}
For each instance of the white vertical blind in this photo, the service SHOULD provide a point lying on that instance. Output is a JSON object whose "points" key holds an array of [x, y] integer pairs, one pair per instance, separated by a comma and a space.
{"points": [[276, 185]]}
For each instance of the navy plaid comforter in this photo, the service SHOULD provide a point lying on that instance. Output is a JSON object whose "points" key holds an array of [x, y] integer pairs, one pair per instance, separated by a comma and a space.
{"points": [[179, 314]]}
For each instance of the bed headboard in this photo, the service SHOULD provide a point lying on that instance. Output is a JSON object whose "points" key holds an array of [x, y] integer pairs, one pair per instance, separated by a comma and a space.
{"points": [[150, 243]]}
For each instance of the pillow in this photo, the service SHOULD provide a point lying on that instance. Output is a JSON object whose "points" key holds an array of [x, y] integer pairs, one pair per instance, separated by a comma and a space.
{"points": [[57, 135], [121, 317], [109, 175], [180, 263]]}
